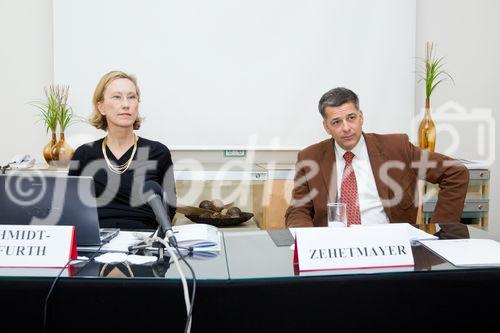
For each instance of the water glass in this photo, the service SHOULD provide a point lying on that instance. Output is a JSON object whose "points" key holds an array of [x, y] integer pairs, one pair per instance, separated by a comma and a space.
{"points": [[337, 214]]}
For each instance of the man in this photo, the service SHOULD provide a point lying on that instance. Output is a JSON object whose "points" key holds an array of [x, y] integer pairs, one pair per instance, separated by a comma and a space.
{"points": [[375, 175]]}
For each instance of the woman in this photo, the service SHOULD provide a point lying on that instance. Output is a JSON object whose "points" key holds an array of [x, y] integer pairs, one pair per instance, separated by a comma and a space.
{"points": [[122, 161]]}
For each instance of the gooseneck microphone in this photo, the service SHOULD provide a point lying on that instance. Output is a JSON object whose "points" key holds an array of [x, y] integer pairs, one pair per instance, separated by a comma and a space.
{"points": [[153, 196]]}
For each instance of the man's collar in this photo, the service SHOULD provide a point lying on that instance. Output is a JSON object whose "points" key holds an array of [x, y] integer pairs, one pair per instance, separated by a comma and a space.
{"points": [[359, 150]]}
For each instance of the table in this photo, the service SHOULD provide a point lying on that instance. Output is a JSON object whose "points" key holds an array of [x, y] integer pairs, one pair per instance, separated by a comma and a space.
{"points": [[252, 287]]}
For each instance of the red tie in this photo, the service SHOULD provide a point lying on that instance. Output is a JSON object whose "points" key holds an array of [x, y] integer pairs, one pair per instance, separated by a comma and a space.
{"points": [[349, 191]]}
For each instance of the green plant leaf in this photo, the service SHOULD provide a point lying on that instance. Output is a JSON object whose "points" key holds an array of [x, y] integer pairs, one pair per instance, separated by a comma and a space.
{"points": [[432, 71], [55, 111]]}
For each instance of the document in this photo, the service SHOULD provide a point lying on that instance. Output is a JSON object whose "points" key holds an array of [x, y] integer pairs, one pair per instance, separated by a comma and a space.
{"points": [[472, 164], [467, 252], [202, 241], [205, 239], [417, 235], [199, 236], [414, 234], [120, 243]]}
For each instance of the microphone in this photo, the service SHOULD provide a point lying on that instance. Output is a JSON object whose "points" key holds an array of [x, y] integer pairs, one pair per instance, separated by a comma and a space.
{"points": [[153, 196]]}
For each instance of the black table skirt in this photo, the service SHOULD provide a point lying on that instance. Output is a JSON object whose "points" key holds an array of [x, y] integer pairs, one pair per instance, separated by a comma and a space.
{"points": [[414, 301]]}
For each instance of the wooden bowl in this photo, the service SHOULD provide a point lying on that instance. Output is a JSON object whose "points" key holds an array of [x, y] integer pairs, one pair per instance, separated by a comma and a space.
{"points": [[221, 222]]}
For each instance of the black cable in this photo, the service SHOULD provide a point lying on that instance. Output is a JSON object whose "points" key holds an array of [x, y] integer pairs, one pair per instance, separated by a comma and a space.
{"points": [[190, 314], [189, 254], [45, 306], [148, 247], [96, 252], [188, 249]]}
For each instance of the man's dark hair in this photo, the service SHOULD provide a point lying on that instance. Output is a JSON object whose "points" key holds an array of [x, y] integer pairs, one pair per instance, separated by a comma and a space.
{"points": [[337, 97]]}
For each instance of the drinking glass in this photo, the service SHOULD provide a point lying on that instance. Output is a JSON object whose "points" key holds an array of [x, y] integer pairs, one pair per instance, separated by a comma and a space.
{"points": [[337, 216]]}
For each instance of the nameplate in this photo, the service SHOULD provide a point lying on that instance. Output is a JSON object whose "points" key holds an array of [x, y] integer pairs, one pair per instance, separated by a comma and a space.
{"points": [[36, 246], [351, 248]]}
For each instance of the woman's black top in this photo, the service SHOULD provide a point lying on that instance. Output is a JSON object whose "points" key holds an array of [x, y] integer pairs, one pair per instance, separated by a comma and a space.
{"points": [[119, 200]]}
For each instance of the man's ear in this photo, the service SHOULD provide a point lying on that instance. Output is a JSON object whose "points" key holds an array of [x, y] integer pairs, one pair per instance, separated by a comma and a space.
{"points": [[362, 118], [326, 127]]}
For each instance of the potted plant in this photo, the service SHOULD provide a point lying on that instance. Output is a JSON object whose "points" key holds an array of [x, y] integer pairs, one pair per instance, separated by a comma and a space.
{"points": [[55, 112], [62, 151], [432, 74], [49, 116]]}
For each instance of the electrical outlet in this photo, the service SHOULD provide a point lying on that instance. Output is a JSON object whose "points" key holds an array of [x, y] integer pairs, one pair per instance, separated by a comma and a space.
{"points": [[235, 153]]}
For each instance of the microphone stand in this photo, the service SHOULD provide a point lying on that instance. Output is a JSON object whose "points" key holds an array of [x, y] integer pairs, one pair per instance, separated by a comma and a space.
{"points": [[161, 248], [162, 264], [149, 243]]}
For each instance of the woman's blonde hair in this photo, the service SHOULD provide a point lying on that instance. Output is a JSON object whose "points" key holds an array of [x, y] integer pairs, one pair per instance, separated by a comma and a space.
{"points": [[96, 118]]}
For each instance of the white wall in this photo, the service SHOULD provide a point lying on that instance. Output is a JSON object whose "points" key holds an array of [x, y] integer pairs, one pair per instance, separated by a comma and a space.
{"points": [[246, 75], [466, 32], [26, 67]]}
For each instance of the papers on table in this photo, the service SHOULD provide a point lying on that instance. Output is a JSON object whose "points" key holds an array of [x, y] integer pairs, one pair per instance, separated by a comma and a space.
{"points": [[120, 243], [473, 164], [414, 234], [203, 238], [198, 236], [467, 252], [417, 235]]}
